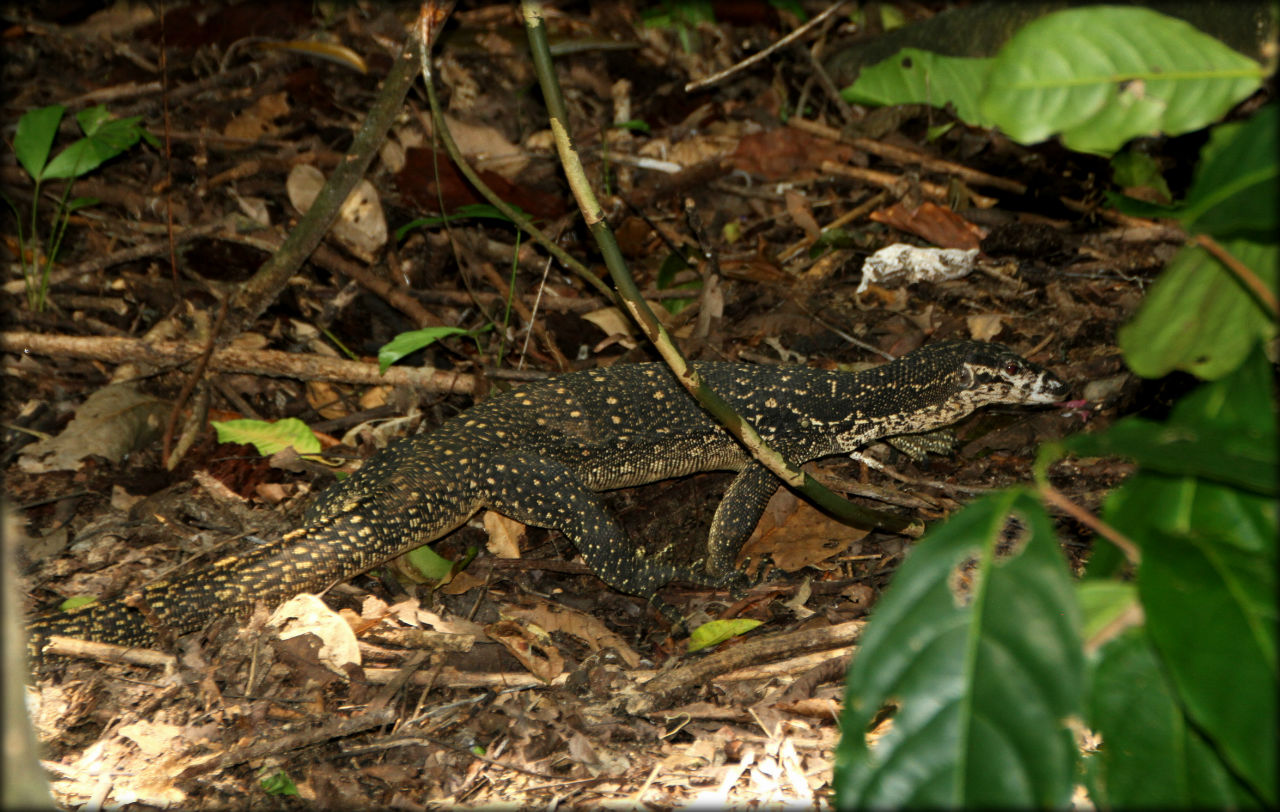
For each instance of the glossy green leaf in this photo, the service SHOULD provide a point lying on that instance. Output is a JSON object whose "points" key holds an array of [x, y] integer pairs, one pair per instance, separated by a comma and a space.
{"points": [[985, 675], [1227, 454], [1211, 611], [1197, 317], [412, 341], [1102, 75], [913, 76], [1234, 191], [34, 138], [268, 437], [1207, 581], [1150, 756]]}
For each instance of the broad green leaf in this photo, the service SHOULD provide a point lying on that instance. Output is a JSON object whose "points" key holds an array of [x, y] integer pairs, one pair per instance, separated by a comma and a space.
{"points": [[718, 631], [1234, 191], [1150, 756], [1197, 317], [412, 341], [1208, 578], [105, 138], [1227, 454], [1102, 75], [34, 138], [1211, 612], [913, 76], [79, 159], [984, 661], [267, 437], [1153, 502], [1245, 398]]}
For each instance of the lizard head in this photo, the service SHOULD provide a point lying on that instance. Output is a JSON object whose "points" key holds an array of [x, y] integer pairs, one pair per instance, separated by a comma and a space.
{"points": [[937, 385], [989, 373]]}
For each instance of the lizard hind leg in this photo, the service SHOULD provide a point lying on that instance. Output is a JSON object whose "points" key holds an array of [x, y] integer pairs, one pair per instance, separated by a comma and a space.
{"points": [[546, 493], [736, 517]]}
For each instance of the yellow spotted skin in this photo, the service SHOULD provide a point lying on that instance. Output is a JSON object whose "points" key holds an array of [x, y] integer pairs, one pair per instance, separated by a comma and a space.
{"points": [[540, 453]]}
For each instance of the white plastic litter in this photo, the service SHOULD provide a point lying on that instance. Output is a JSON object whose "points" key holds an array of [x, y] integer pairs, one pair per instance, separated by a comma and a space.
{"points": [[906, 264]]}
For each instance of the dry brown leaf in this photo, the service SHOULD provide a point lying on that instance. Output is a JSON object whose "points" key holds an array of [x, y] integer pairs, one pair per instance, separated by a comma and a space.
{"points": [[798, 209], [307, 614], [258, 121], [505, 535], [531, 646], [557, 618], [986, 326], [794, 534], [112, 422], [937, 224]]}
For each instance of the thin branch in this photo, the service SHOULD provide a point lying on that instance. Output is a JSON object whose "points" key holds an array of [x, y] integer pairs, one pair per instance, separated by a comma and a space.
{"points": [[1266, 296], [715, 78], [685, 373], [1062, 502]]}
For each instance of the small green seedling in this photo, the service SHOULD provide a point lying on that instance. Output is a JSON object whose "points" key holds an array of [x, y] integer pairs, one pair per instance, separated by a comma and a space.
{"points": [[104, 138]]}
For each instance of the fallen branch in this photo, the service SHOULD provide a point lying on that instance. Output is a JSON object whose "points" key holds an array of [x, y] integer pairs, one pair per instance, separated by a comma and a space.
{"points": [[272, 363]]}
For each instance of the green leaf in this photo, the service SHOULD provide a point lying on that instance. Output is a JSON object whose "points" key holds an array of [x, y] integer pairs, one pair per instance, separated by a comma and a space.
{"points": [[76, 602], [105, 138], [77, 203], [1103, 603], [1102, 75], [1228, 454], [268, 437], [76, 160], [633, 125], [91, 118], [1211, 612], [1197, 317], [1207, 582], [34, 139], [410, 342], [1150, 757], [432, 565], [1234, 191], [985, 677], [717, 631], [913, 76], [278, 783], [1133, 169], [484, 211]]}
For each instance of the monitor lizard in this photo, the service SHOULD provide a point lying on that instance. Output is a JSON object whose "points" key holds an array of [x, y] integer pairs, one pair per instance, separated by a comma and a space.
{"points": [[539, 453]]}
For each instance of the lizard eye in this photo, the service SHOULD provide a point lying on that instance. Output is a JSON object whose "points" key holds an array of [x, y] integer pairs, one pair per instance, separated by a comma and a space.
{"points": [[1012, 368]]}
